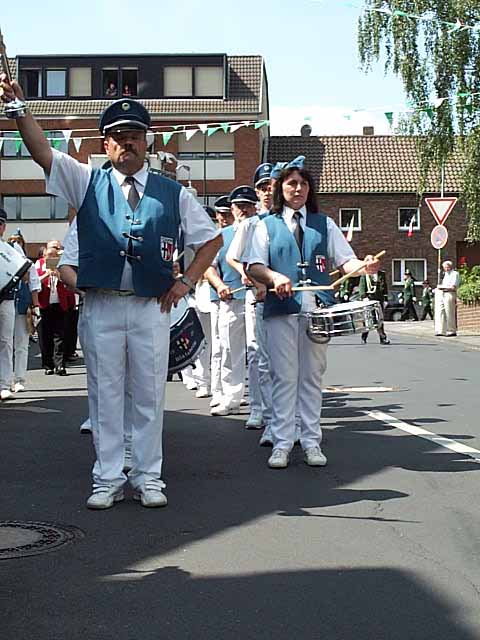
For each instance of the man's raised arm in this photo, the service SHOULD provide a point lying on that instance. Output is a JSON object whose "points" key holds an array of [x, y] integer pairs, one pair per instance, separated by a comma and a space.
{"points": [[32, 134]]}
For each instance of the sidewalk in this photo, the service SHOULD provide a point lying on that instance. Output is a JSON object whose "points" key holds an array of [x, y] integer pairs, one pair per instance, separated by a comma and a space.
{"points": [[424, 329]]}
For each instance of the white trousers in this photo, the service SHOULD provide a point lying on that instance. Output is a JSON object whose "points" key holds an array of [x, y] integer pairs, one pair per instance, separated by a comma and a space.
{"points": [[264, 377], [216, 355], [7, 324], [117, 332], [20, 347], [445, 311], [297, 367], [252, 352], [231, 325], [202, 371]]}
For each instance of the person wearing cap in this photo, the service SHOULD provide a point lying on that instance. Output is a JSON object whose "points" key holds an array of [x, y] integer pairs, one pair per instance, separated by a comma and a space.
{"points": [[291, 246], [260, 387], [128, 220], [228, 287], [224, 218]]}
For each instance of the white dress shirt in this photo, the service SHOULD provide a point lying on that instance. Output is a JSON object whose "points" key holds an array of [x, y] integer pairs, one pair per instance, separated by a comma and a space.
{"points": [[451, 280]]}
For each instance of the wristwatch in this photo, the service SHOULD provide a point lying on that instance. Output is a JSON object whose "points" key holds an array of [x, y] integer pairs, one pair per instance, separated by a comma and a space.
{"points": [[188, 282]]}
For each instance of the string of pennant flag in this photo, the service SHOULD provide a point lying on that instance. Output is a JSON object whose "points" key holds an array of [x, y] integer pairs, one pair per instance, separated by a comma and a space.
{"points": [[204, 128]]}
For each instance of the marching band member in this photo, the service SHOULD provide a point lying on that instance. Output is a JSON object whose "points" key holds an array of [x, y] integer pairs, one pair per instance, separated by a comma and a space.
{"points": [[225, 279], [260, 386], [295, 241], [128, 220], [224, 217]]}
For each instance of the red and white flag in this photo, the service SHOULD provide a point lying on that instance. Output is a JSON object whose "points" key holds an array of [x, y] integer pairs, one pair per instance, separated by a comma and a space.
{"points": [[410, 227], [349, 234]]}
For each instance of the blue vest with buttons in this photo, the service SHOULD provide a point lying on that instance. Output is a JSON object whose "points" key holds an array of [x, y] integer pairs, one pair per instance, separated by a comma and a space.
{"points": [[228, 274], [284, 256], [105, 221]]}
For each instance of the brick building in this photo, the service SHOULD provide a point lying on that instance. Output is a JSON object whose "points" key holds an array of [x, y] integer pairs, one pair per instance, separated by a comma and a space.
{"points": [[375, 180], [68, 93]]}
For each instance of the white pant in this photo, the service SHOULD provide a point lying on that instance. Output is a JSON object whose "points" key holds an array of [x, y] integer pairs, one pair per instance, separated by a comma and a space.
{"points": [[445, 311], [202, 371], [264, 377], [297, 367], [216, 357], [7, 324], [231, 325], [252, 352], [115, 331], [20, 345]]}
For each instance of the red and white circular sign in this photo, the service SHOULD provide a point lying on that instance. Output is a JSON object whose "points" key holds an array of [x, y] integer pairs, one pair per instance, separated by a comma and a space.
{"points": [[439, 236]]}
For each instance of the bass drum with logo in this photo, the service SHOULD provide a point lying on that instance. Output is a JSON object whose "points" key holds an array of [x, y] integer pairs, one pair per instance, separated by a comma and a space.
{"points": [[186, 336], [13, 266]]}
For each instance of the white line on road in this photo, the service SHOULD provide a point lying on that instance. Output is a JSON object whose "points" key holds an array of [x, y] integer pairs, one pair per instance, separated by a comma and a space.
{"points": [[453, 445]]}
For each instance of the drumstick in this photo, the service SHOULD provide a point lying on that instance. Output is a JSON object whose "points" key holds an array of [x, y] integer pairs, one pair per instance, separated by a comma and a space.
{"points": [[355, 271], [4, 59], [334, 273], [319, 287]]}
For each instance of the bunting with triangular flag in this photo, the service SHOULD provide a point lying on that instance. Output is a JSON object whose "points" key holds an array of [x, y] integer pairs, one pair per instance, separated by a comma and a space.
{"points": [[236, 127], [67, 134], [77, 143], [389, 117], [189, 133], [166, 135]]}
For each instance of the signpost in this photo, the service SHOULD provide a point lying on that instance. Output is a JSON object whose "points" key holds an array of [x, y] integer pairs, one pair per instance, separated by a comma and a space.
{"points": [[439, 237], [440, 208]]}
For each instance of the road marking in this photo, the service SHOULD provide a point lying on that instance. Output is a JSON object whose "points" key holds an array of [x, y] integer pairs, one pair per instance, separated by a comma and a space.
{"points": [[453, 445]]}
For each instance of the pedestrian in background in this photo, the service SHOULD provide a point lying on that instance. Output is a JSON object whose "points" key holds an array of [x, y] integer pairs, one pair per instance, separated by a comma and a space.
{"points": [[427, 300], [446, 302], [409, 297]]}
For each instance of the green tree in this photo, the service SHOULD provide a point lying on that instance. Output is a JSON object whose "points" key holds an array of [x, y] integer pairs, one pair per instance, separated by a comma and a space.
{"points": [[434, 47]]}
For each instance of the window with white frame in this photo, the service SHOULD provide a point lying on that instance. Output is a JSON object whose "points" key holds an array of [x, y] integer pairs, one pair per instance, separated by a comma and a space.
{"points": [[345, 219], [405, 216], [56, 83], [80, 82], [208, 82], [35, 207], [219, 145], [177, 82], [416, 266]]}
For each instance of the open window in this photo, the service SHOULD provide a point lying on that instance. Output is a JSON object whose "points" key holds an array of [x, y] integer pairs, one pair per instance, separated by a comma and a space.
{"points": [[32, 83], [129, 82], [110, 82]]}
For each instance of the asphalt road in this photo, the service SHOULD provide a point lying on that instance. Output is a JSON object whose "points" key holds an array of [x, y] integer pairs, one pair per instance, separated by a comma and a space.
{"points": [[382, 543]]}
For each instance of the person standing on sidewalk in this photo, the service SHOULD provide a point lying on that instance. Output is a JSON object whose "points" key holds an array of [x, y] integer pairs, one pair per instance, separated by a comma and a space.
{"points": [[409, 297], [374, 287], [446, 302], [427, 301]]}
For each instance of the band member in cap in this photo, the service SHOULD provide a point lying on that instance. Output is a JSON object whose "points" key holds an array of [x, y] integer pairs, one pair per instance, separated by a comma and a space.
{"points": [[294, 244], [229, 288], [224, 218], [128, 220], [260, 386]]}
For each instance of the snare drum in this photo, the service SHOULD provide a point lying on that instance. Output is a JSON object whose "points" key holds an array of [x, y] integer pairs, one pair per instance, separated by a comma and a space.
{"points": [[186, 336], [13, 266], [343, 320]]}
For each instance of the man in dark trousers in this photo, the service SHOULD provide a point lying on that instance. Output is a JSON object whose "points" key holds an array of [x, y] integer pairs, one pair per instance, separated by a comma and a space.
{"points": [[374, 287], [408, 297]]}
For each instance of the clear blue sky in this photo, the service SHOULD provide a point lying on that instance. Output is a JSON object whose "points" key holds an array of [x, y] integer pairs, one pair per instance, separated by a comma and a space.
{"points": [[309, 46]]}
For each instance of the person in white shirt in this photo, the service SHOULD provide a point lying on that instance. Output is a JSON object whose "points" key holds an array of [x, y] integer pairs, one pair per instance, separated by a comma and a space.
{"points": [[128, 222], [294, 238], [446, 302]]}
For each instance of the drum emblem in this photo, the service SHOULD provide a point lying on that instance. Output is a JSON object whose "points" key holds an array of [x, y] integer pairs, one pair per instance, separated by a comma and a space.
{"points": [[166, 248], [321, 263]]}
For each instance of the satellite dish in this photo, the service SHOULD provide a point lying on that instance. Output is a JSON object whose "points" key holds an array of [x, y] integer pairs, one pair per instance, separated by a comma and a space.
{"points": [[306, 131]]}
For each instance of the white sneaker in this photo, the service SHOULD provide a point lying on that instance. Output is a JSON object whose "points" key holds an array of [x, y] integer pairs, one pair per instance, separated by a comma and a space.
{"points": [[255, 420], [18, 387], [244, 402], [202, 392], [266, 439], [225, 410], [314, 457], [104, 497], [191, 386], [86, 427], [215, 401], [278, 459], [5, 394], [151, 494]]}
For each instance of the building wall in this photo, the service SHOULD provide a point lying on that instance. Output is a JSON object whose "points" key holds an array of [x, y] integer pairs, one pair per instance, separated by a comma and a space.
{"points": [[379, 213]]}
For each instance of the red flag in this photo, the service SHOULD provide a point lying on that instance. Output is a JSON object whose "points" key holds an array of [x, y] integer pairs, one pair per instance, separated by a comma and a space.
{"points": [[349, 234], [410, 227]]}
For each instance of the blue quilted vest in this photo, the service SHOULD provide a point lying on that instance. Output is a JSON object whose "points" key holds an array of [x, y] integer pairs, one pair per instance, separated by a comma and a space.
{"points": [[105, 221], [284, 255], [228, 274]]}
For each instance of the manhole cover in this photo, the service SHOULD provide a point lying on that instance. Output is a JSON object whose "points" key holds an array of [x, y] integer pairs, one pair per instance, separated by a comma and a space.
{"points": [[20, 539]]}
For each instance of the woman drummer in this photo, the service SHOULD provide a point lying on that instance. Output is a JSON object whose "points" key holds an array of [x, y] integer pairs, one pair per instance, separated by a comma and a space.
{"points": [[296, 244]]}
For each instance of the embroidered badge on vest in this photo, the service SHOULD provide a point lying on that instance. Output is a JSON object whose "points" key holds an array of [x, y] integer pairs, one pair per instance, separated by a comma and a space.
{"points": [[321, 263], [167, 247]]}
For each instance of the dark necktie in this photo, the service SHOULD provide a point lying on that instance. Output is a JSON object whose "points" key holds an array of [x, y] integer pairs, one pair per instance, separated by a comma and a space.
{"points": [[133, 200], [133, 197], [298, 231]]}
